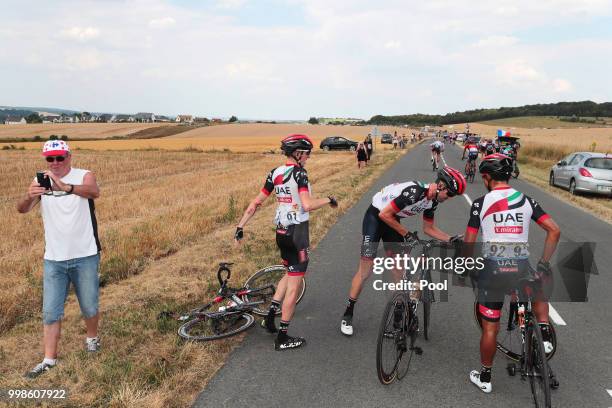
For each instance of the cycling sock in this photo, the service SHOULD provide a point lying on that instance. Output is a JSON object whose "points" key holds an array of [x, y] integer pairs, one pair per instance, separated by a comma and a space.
{"points": [[350, 306], [485, 374], [49, 361], [274, 306], [282, 332]]}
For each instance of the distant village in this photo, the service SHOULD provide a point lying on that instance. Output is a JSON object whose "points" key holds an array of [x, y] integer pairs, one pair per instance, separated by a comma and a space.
{"points": [[86, 117]]}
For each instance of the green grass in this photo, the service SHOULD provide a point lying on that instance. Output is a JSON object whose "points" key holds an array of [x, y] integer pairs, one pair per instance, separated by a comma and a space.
{"points": [[544, 122]]}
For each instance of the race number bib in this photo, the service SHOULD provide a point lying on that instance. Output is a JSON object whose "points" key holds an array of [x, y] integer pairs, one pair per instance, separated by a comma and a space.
{"points": [[505, 250]]}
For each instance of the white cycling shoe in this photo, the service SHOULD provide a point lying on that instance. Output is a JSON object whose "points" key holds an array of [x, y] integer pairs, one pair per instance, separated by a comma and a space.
{"points": [[548, 347], [346, 326], [475, 379]]}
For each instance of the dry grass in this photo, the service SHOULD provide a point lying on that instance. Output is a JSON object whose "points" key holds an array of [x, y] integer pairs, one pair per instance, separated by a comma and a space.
{"points": [[74, 130], [233, 137], [166, 219], [544, 122]]}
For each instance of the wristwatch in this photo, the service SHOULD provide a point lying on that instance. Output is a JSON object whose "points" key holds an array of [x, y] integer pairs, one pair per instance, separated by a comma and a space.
{"points": [[71, 189]]}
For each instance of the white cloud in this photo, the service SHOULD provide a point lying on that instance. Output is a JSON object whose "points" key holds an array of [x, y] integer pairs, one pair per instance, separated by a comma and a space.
{"points": [[393, 44], [162, 22], [496, 41], [230, 4], [81, 34], [561, 85], [516, 72]]}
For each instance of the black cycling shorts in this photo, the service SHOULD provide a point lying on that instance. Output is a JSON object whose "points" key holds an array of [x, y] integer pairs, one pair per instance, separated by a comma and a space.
{"points": [[373, 230], [495, 281], [294, 242], [435, 150], [472, 156]]}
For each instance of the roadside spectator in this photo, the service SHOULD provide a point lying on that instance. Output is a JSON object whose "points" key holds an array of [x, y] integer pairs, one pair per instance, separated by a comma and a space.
{"points": [[394, 142], [362, 155], [369, 147], [72, 248], [404, 140]]}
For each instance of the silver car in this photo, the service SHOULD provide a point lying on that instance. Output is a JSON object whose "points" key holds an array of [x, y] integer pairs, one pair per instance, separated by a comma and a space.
{"points": [[584, 172]]}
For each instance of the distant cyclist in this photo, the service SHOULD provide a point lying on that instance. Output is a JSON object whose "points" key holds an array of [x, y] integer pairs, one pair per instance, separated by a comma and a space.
{"points": [[382, 222], [489, 147], [436, 148], [472, 154], [290, 184], [503, 215]]}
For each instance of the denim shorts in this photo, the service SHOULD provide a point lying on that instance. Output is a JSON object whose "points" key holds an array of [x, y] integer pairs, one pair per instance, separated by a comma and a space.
{"points": [[57, 275]]}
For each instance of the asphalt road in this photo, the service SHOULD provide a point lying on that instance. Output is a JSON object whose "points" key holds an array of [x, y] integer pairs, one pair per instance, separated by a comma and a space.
{"points": [[336, 371]]}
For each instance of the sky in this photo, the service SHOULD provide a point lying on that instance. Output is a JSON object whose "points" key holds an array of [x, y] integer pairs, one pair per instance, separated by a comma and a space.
{"points": [[293, 59]]}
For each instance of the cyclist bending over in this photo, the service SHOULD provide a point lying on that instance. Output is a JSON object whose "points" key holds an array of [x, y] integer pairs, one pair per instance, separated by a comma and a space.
{"points": [[436, 148], [382, 222], [503, 214], [290, 184]]}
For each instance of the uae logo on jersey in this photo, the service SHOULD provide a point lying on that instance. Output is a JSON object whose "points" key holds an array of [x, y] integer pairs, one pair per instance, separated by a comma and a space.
{"points": [[506, 221], [284, 177]]}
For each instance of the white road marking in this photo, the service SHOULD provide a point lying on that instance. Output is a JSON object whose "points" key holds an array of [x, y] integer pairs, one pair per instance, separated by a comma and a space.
{"points": [[552, 312], [609, 392], [555, 316]]}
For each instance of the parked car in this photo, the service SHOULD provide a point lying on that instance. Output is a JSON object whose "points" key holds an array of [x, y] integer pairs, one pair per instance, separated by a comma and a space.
{"points": [[583, 172], [386, 138], [338, 143], [460, 137]]}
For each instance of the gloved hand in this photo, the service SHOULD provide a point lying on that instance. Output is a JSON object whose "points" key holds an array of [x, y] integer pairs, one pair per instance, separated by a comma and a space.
{"points": [[544, 268], [332, 201], [239, 234]]}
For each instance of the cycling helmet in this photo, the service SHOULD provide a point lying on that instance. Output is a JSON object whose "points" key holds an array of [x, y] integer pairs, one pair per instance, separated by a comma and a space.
{"points": [[454, 180], [498, 166], [296, 142]]}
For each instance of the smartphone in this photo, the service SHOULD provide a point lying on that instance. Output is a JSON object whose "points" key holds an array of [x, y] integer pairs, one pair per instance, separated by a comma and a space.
{"points": [[43, 180]]}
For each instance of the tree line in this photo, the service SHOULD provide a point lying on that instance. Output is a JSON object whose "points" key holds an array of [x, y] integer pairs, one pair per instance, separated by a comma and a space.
{"points": [[576, 109]]}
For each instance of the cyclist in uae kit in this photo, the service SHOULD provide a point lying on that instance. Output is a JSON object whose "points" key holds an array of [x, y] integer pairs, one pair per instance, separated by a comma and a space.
{"points": [[382, 222], [503, 215], [290, 185], [472, 150], [436, 148]]}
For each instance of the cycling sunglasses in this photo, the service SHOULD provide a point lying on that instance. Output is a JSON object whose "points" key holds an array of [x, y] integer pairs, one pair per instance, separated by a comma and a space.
{"points": [[51, 159], [306, 152]]}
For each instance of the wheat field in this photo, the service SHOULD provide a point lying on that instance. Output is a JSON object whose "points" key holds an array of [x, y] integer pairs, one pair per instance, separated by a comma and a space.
{"points": [[75, 130], [165, 220]]}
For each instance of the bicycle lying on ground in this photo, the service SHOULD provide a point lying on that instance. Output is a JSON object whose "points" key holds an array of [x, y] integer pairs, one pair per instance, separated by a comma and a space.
{"points": [[400, 324], [231, 311], [523, 342]]}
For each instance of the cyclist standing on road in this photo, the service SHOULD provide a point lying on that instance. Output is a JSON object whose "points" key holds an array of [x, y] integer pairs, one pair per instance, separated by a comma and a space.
{"points": [[290, 184], [436, 148], [503, 214], [382, 222]]}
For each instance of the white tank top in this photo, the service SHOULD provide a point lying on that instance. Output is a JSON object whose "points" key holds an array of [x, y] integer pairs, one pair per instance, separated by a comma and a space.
{"points": [[71, 229]]}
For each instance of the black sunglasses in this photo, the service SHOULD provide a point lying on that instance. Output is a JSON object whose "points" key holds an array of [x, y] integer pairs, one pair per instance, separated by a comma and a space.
{"points": [[51, 159]]}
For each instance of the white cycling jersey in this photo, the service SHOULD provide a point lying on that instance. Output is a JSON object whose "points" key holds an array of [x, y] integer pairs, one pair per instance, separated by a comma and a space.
{"points": [[287, 182], [437, 145], [504, 215], [407, 199]]}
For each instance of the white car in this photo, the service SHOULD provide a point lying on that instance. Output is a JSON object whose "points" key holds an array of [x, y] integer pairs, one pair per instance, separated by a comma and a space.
{"points": [[584, 172]]}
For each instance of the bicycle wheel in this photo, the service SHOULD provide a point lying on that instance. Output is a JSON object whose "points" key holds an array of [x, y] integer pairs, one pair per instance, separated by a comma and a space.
{"points": [[411, 323], [205, 328], [269, 276], [509, 340], [536, 366], [391, 341], [426, 316]]}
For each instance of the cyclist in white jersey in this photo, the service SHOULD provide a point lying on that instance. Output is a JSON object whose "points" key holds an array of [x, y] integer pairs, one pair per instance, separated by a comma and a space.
{"points": [[382, 222], [437, 147], [503, 216], [292, 190]]}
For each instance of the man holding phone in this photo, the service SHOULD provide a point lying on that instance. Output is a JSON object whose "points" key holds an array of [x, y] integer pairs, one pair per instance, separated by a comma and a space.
{"points": [[72, 247]]}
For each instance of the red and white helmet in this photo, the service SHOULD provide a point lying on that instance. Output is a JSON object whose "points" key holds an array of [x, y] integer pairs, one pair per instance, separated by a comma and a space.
{"points": [[296, 142], [454, 180]]}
